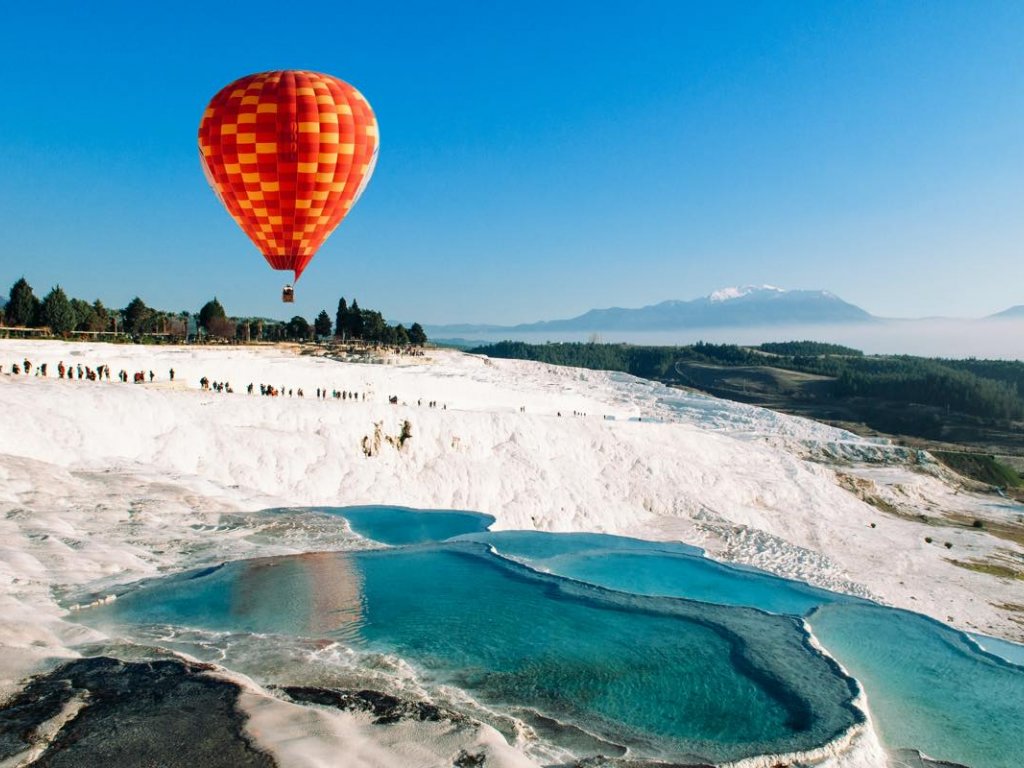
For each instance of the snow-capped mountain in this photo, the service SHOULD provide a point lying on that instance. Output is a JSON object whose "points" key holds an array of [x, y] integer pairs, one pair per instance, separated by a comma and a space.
{"points": [[727, 294], [736, 306]]}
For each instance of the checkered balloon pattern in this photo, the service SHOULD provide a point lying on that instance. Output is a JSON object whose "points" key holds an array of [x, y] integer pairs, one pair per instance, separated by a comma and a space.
{"points": [[288, 153]]}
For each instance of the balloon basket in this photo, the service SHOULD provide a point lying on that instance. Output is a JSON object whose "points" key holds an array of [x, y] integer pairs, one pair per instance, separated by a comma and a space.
{"points": [[288, 295]]}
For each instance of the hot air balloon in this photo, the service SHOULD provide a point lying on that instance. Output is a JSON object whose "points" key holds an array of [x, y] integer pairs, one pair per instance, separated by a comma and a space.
{"points": [[288, 153]]}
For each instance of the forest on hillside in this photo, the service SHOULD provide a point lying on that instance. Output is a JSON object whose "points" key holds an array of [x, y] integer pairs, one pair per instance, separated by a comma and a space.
{"points": [[987, 389]]}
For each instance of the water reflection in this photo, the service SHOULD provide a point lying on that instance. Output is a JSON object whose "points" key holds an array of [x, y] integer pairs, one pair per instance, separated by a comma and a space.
{"points": [[324, 594]]}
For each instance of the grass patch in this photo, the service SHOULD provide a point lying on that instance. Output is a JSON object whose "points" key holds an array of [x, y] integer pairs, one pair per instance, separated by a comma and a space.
{"points": [[992, 569], [882, 504], [981, 466]]}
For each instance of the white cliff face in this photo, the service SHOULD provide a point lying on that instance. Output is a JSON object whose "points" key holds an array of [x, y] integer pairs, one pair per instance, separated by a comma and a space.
{"points": [[104, 483]]}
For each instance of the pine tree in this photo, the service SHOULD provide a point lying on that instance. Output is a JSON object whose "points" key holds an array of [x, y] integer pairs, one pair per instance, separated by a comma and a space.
{"points": [[297, 328], [355, 321], [373, 327], [322, 324], [136, 316], [341, 319], [82, 311], [57, 312], [417, 335], [211, 310], [100, 318], [22, 306]]}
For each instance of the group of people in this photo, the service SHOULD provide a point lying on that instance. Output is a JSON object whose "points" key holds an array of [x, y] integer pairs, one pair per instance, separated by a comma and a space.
{"points": [[63, 371], [214, 386], [408, 351], [78, 371], [268, 390], [102, 372], [26, 366], [340, 394]]}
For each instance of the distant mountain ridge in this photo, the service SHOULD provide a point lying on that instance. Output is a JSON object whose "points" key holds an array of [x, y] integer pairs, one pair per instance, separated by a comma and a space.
{"points": [[737, 306], [1017, 311]]}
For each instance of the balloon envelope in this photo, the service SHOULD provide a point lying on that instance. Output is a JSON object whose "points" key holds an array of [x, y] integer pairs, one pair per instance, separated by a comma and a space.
{"points": [[288, 153]]}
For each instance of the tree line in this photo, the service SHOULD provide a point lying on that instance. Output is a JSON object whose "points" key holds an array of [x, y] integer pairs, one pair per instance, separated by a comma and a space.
{"points": [[988, 389], [64, 316]]}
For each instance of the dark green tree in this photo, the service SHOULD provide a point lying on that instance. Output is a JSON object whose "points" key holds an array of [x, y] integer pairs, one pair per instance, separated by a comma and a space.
{"points": [[137, 316], [374, 327], [399, 335], [341, 318], [22, 305], [322, 324], [100, 318], [211, 310], [417, 335], [297, 328], [354, 329], [57, 312], [82, 311]]}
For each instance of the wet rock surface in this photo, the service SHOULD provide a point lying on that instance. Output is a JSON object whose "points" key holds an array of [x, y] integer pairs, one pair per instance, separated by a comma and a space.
{"points": [[105, 712], [385, 708]]}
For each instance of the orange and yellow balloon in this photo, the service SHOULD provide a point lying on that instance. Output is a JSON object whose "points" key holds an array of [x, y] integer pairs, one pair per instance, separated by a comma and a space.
{"points": [[289, 153]]}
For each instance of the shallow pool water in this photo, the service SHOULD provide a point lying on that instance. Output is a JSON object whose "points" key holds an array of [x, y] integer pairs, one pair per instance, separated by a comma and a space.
{"points": [[927, 685], [398, 526], [1012, 652], [655, 568], [664, 678], [649, 647]]}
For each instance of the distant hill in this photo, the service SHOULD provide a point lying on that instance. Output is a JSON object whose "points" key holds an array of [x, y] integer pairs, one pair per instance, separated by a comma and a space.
{"points": [[746, 306], [1012, 312]]}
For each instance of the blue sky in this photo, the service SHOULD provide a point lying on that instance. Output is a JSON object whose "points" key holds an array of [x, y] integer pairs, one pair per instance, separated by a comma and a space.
{"points": [[537, 159]]}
